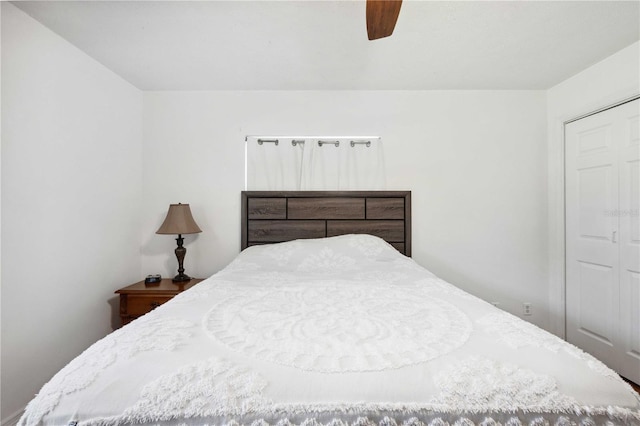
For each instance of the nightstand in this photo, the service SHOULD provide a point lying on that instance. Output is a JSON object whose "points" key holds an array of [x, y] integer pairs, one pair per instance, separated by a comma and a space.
{"points": [[138, 299]]}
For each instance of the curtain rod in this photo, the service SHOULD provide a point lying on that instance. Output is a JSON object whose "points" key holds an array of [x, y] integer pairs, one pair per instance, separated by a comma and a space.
{"points": [[331, 140], [320, 137]]}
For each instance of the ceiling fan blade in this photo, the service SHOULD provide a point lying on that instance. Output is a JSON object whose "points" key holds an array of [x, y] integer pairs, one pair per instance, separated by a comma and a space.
{"points": [[381, 17]]}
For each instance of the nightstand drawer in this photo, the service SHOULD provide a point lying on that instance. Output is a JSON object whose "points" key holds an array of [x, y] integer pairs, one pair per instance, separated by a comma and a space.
{"points": [[140, 298], [141, 304]]}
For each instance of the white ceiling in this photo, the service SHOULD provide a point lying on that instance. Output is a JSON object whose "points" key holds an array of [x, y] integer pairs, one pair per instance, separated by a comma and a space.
{"points": [[286, 45]]}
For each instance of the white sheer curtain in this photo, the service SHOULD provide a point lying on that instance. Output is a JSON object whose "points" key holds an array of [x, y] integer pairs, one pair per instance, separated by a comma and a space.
{"points": [[272, 166], [345, 166], [327, 163]]}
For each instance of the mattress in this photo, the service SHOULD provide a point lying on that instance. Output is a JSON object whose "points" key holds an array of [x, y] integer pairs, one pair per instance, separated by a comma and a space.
{"points": [[341, 331]]}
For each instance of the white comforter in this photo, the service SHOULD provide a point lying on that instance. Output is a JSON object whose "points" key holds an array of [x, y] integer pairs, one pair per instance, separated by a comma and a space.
{"points": [[339, 331]]}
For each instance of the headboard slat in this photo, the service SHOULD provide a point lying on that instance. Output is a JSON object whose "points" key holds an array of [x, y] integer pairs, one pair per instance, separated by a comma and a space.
{"points": [[276, 231], [267, 208], [385, 208], [389, 230], [326, 208]]}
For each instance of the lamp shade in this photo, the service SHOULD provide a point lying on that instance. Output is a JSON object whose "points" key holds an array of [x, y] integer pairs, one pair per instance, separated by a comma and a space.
{"points": [[179, 221]]}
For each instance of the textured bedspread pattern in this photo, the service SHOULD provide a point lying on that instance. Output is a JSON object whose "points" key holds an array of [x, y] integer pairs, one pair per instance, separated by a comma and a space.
{"points": [[342, 331]]}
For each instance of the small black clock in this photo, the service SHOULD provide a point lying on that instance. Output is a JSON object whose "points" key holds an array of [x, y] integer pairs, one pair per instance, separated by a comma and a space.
{"points": [[153, 279]]}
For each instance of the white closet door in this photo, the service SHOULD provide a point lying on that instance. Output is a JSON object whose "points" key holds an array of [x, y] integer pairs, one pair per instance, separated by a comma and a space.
{"points": [[602, 289], [630, 240], [592, 290]]}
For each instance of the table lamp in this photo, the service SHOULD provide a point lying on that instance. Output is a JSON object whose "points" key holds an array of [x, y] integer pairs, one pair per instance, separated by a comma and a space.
{"points": [[179, 221]]}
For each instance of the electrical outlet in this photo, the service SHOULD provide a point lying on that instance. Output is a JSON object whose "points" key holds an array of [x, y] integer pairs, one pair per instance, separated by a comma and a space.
{"points": [[527, 310]]}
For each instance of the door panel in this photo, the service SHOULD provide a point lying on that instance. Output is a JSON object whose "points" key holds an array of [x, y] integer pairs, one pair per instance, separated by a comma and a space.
{"points": [[592, 259], [629, 214], [595, 308], [594, 139], [594, 186], [634, 338], [634, 201]]}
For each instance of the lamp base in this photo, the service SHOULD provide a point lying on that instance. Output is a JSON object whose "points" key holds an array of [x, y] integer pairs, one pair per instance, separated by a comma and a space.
{"points": [[181, 278], [180, 253]]}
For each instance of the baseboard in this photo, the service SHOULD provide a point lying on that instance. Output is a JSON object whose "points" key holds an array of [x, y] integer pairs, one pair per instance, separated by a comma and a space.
{"points": [[12, 420]]}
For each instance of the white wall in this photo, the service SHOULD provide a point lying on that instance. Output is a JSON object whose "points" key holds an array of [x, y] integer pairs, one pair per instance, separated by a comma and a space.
{"points": [[475, 161], [605, 83], [71, 189], [0, 206]]}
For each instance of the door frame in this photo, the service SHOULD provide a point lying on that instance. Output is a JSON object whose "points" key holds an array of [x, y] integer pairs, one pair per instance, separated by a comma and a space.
{"points": [[557, 224]]}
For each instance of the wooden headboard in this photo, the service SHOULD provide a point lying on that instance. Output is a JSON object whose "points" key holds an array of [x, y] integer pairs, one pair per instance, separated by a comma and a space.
{"points": [[277, 216]]}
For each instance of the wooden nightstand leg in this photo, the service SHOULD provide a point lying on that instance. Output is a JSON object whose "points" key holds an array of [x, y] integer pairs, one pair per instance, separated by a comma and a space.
{"points": [[123, 309]]}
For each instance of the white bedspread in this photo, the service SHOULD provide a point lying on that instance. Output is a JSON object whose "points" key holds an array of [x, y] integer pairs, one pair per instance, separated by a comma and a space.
{"points": [[339, 331]]}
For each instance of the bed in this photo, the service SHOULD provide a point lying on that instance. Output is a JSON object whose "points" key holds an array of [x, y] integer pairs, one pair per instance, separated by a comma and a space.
{"points": [[323, 320]]}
